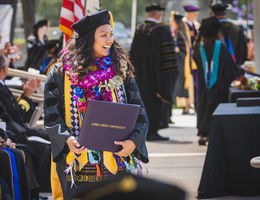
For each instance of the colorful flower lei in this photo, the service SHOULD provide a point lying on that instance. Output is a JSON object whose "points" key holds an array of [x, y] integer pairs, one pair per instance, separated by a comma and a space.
{"points": [[97, 84]]}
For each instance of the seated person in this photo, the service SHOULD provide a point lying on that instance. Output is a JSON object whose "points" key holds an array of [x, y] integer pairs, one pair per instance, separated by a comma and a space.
{"points": [[16, 113], [13, 171]]}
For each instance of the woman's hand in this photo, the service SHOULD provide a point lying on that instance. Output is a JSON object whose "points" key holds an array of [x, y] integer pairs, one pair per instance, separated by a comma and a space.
{"points": [[128, 146], [74, 145]]}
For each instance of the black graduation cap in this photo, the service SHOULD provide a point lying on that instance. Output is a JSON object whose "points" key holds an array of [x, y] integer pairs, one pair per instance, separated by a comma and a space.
{"points": [[218, 7], [128, 186], [91, 22], [41, 23], [210, 27], [176, 16], [153, 7], [51, 44]]}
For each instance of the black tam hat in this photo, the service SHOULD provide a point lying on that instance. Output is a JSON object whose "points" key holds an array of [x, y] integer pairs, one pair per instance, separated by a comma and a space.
{"points": [[92, 22], [210, 27], [154, 7], [218, 7]]}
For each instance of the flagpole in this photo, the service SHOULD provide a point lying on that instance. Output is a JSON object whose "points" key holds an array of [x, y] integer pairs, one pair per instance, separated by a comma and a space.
{"points": [[92, 6], [133, 19]]}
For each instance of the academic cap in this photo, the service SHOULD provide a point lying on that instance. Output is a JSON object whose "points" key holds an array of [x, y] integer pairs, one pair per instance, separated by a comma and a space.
{"points": [[92, 22], [153, 7], [210, 27], [40, 23], [190, 8], [128, 186], [218, 7], [176, 16], [51, 44]]}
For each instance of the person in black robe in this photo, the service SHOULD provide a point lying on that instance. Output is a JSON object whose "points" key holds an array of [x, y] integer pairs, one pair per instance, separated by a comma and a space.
{"points": [[233, 35], [191, 17], [36, 51], [182, 49], [93, 43], [16, 113], [152, 54], [8, 151], [216, 70]]}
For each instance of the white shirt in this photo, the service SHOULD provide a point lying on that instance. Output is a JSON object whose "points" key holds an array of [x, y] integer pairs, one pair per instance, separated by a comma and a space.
{"points": [[187, 21], [2, 82], [152, 20]]}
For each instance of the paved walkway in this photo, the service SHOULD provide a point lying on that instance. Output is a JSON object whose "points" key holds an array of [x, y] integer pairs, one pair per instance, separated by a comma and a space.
{"points": [[179, 161]]}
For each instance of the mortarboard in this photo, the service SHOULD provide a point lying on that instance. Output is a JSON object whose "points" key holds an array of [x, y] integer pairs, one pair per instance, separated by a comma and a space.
{"points": [[218, 7], [191, 8], [153, 7], [92, 22], [51, 44], [210, 27], [40, 23], [176, 16]]}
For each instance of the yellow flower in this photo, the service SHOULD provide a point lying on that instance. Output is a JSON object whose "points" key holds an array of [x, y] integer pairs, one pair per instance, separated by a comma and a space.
{"points": [[93, 68]]}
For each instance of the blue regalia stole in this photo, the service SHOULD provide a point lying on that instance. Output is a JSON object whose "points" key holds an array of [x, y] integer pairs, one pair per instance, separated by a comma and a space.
{"points": [[210, 72]]}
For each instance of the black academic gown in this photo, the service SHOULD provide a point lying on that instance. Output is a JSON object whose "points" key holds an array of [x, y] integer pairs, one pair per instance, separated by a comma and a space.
{"points": [[36, 53], [54, 115], [238, 40], [180, 91], [15, 115], [154, 59], [209, 99]]}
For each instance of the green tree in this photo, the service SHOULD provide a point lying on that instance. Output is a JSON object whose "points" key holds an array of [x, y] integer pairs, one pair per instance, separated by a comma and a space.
{"points": [[49, 9]]}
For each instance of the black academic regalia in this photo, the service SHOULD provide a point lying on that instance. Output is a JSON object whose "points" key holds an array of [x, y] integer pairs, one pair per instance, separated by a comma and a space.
{"points": [[15, 116], [54, 115], [209, 99], [180, 91], [36, 53], [6, 173], [154, 59], [238, 40]]}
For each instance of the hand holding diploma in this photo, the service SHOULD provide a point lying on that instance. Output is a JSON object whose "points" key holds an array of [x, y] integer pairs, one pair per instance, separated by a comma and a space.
{"points": [[74, 146], [128, 146]]}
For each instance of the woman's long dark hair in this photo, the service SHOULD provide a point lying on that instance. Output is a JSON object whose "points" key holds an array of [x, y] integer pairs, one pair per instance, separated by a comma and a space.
{"points": [[80, 55], [209, 43]]}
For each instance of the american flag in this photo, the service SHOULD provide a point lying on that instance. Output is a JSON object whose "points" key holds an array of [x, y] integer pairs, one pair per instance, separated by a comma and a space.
{"points": [[71, 11]]}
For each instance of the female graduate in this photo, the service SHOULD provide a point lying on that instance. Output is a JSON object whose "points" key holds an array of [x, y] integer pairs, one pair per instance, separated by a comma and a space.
{"points": [[216, 71], [93, 67], [182, 48]]}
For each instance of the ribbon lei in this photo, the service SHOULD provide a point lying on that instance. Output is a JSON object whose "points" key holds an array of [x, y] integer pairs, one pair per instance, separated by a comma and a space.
{"points": [[70, 170]]}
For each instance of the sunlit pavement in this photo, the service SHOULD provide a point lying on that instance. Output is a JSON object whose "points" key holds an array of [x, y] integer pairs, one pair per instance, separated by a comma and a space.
{"points": [[179, 161]]}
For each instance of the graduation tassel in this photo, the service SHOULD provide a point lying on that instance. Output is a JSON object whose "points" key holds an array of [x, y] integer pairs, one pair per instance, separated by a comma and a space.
{"points": [[98, 170], [111, 20]]}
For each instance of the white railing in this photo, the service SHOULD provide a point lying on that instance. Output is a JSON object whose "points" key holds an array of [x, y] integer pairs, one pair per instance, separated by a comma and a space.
{"points": [[36, 97]]}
